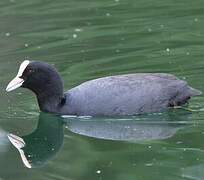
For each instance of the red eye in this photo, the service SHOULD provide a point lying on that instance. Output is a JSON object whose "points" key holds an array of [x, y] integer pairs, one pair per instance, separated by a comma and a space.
{"points": [[29, 70]]}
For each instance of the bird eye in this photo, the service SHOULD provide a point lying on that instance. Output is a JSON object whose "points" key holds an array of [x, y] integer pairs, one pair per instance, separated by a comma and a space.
{"points": [[30, 71]]}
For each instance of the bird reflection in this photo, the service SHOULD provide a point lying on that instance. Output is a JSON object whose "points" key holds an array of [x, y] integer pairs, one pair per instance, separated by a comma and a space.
{"points": [[37, 148], [147, 127], [41, 145]]}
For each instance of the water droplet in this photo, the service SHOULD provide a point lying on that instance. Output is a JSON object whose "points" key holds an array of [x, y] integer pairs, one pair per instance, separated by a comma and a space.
{"points": [[74, 35], [149, 164], [98, 171], [7, 34], [149, 30], [26, 45], [108, 14], [161, 26], [78, 30], [167, 49]]}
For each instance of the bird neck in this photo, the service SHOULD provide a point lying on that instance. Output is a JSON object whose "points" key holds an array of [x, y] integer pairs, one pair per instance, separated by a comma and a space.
{"points": [[50, 104], [51, 99]]}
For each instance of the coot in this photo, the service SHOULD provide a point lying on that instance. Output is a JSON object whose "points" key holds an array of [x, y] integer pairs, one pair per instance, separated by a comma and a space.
{"points": [[127, 94]]}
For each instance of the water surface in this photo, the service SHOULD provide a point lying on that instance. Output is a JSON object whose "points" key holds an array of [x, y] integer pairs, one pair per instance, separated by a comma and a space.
{"points": [[90, 39]]}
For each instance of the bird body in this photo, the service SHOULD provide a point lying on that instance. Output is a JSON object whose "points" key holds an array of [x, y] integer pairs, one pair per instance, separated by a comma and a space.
{"points": [[128, 94]]}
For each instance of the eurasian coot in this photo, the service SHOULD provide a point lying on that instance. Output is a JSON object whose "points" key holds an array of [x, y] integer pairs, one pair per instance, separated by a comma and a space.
{"points": [[127, 94]]}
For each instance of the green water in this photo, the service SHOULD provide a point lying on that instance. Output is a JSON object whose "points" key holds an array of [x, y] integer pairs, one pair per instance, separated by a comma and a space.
{"points": [[90, 39]]}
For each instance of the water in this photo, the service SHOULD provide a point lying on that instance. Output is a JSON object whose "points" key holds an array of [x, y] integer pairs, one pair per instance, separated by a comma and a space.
{"points": [[90, 39]]}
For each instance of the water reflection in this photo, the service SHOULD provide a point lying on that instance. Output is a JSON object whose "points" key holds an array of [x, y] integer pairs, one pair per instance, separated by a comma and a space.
{"points": [[4, 143], [42, 144], [37, 148], [144, 127]]}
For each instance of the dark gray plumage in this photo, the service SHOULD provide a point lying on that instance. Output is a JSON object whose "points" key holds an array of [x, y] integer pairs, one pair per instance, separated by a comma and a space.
{"points": [[127, 95], [109, 96]]}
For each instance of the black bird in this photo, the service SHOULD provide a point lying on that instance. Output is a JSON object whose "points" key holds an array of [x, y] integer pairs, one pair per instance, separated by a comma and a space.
{"points": [[127, 94]]}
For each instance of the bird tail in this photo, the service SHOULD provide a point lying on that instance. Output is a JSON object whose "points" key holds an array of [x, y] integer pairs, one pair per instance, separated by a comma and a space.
{"points": [[194, 92]]}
